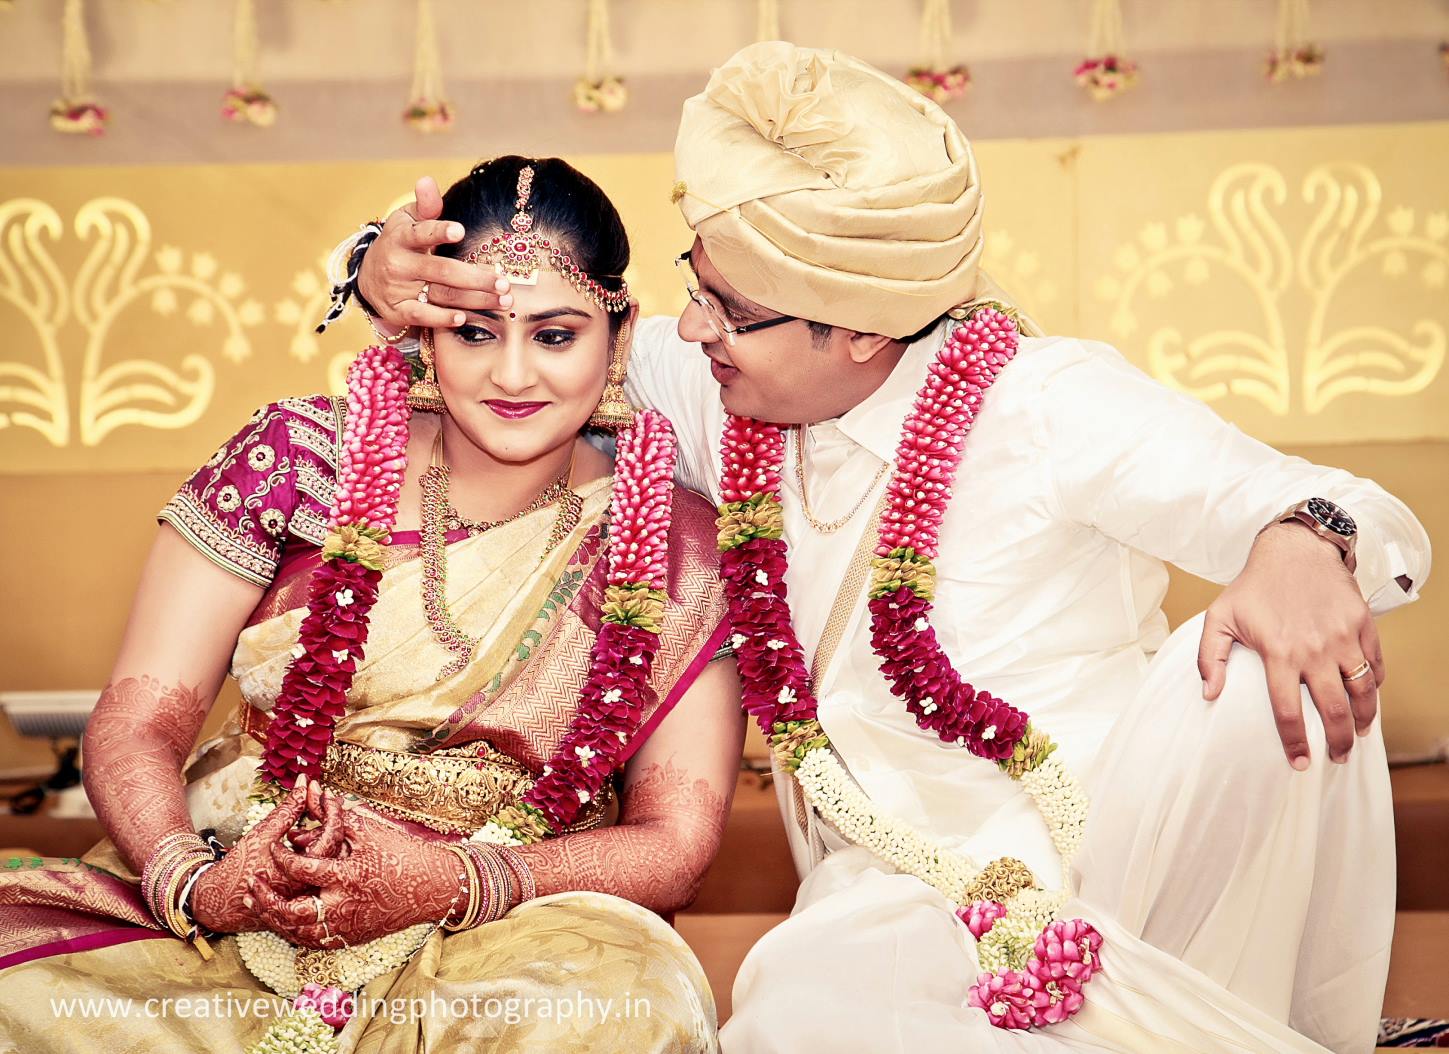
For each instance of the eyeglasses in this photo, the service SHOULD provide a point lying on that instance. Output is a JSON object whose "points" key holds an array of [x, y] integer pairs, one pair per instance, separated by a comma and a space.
{"points": [[717, 322]]}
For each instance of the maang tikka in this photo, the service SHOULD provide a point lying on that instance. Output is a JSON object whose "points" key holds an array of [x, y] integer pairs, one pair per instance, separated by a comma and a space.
{"points": [[521, 255]]}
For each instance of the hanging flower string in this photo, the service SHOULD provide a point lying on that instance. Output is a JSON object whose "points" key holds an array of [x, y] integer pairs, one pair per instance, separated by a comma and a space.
{"points": [[76, 112], [244, 101], [932, 78], [1293, 54], [427, 110], [598, 90], [1037, 962], [1105, 73], [611, 706]]}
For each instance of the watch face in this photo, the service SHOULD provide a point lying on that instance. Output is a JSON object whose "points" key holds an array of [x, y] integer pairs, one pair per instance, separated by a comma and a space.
{"points": [[1332, 517]]}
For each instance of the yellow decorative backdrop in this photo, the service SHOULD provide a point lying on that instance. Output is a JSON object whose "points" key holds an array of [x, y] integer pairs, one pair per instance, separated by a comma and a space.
{"points": [[1293, 278], [1302, 293]]}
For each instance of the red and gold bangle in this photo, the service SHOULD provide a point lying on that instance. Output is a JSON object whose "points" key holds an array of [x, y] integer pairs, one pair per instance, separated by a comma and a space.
{"points": [[522, 873]]}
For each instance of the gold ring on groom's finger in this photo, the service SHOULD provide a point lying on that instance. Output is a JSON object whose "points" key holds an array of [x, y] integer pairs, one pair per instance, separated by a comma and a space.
{"points": [[423, 292], [321, 909], [1361, 670]]}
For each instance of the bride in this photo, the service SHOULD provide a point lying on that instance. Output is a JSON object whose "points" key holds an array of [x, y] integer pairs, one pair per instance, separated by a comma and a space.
{"points": [[484, 742]]}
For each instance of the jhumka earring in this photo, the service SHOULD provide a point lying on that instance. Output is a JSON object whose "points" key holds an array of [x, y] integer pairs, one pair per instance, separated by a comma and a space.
{"points": [[424, 395], [615, 413]]}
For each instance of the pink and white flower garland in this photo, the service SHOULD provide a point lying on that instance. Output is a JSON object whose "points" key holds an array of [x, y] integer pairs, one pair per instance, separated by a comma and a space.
{"points": [[1043, 987], [334, 632], [344, 588], [611, 704]]}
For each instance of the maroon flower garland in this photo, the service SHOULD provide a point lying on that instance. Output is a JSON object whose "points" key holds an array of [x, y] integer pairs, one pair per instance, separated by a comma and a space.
{"points": [[344, 588], [933, 439]]}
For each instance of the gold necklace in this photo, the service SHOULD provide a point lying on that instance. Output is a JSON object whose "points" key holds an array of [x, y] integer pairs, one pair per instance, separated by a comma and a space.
{"points": [[435, 513], [832, 526], [453, 520]]}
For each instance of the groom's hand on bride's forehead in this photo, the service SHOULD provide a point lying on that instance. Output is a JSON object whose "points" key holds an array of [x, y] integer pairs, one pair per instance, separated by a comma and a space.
{"points": [[403, 258]]}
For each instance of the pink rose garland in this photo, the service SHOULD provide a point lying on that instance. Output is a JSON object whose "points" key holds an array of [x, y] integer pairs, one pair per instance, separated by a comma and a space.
{"points": [[344, 588], [613, 699], [775, 682], [1049, 989], [929, 452]]}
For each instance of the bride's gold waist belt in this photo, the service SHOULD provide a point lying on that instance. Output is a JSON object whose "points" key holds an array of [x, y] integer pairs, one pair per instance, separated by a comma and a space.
{"points": [[456, 790]]}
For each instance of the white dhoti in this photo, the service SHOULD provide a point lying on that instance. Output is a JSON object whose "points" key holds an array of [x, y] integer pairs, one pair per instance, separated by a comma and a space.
{"points": [[1244, 907]]}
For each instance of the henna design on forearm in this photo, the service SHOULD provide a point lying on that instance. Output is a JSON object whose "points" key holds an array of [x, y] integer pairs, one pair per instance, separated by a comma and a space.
{"points": [[135, 744], [668, 833]]}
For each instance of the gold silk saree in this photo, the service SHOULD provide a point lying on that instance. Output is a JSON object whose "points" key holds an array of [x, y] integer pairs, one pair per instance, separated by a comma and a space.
{"points": [[84, 967]]}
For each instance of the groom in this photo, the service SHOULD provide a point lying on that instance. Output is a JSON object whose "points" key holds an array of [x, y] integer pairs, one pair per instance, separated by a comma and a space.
{"points": [[1238, 856]]}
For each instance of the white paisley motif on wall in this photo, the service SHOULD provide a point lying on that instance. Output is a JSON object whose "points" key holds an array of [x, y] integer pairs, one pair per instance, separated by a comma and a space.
{"points": [[72, 393], [1346, 300]]}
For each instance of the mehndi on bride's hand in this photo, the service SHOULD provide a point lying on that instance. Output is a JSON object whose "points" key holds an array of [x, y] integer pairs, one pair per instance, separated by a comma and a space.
{"points": [[218, 902], [384, 881]]}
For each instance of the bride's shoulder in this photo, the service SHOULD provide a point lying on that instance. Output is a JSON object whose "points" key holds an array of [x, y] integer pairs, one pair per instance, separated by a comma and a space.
{"points": [[692, 532]]}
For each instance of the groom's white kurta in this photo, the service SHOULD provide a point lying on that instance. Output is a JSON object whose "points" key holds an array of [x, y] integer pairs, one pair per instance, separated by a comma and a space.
{"points": [[1081, 477]]}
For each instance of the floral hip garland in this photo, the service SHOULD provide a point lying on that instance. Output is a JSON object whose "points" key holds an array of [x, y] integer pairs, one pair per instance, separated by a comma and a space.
{"points": [[1038, 962]]}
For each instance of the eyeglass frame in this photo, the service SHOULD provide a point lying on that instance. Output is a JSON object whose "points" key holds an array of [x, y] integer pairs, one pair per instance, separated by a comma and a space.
{"points": [[723, 328]]}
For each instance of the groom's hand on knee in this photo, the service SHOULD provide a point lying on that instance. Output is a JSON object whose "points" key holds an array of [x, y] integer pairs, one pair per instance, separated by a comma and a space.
{"points": [[1299, 608]]}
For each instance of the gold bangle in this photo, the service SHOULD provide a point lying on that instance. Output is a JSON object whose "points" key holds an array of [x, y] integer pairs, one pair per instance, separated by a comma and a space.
{"points": [[472, 881], [372, 321]]}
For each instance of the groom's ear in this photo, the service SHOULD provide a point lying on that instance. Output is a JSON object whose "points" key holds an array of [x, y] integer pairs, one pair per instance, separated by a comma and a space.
{"points": [[865, 346]]}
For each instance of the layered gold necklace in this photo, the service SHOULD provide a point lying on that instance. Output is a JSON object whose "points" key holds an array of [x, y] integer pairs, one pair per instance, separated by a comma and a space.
{"points": [[438, 517]]}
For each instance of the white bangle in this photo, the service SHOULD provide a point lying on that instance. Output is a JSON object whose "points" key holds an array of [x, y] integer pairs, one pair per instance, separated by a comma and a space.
{"points": [[184, 901]]}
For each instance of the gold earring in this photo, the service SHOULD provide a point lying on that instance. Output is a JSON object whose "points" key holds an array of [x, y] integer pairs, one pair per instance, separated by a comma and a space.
{"points": [[615, 413], [424, 395]]}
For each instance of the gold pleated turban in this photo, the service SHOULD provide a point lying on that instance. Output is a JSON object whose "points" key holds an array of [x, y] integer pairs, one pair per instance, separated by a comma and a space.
{"points": [[825, 189]]}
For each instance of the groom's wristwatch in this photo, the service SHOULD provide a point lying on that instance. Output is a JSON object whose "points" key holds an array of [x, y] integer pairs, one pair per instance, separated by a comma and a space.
{"points": [[1329, 522]]}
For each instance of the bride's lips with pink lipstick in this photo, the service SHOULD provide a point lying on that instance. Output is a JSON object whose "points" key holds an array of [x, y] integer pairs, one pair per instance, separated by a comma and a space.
{"points": [[511, 411]]}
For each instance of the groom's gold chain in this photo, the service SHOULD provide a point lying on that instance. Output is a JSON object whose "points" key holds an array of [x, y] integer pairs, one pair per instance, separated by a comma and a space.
{"points": [[831, 526]]}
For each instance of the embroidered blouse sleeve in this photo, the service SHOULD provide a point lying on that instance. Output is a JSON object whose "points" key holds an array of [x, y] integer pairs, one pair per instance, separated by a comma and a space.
{"points": [[260, 486]]}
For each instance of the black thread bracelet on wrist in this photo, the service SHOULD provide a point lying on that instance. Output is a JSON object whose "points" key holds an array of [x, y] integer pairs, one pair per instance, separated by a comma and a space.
{"points": [[348, 289]]}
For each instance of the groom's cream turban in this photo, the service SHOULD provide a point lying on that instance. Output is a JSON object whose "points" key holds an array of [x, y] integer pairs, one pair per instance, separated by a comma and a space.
{"points": [[823, 188]]}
